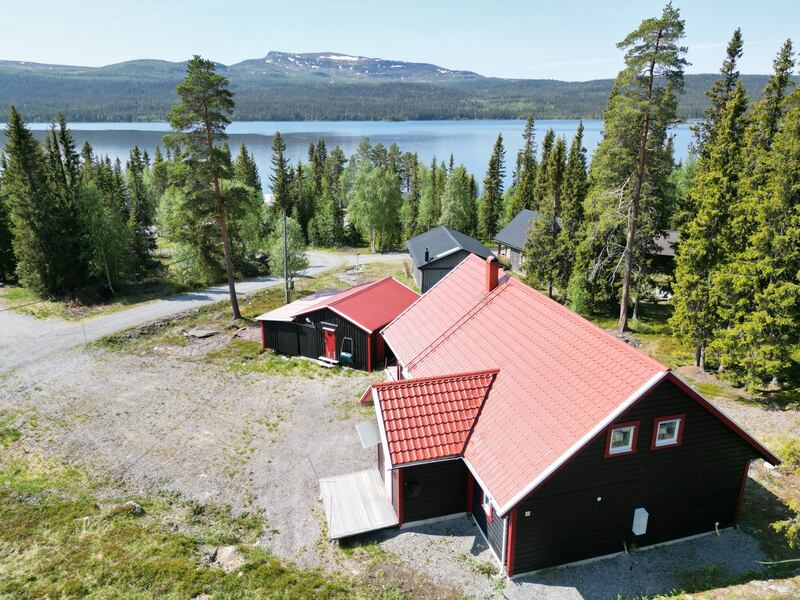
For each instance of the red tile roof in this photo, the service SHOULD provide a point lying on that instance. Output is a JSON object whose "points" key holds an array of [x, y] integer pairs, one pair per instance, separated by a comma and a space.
{"points": [[561, 379], [370, 305], [428, 419]]}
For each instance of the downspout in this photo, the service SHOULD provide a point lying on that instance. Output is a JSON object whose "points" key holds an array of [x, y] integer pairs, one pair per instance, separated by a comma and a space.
{"points": [[511, 544]]}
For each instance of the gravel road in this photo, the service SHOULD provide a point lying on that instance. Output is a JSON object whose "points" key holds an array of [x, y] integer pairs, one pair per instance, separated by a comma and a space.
{"points": [[24, 339]]}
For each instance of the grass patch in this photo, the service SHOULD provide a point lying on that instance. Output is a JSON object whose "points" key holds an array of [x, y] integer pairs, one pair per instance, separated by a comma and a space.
{"points": [[8, 432], [57, 541], [247, 356]]}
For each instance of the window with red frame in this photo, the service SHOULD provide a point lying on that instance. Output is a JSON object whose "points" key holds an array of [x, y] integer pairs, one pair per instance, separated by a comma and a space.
{"points": [[667, 431], [621, 439]]}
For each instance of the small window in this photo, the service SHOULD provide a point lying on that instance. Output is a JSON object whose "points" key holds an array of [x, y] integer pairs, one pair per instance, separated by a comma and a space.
{"points": [[621, 439], [486, 503], [667, 431]]}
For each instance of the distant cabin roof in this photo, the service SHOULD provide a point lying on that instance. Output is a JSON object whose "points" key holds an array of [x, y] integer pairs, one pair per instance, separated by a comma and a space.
{"points": [[440, 242], [369, 306], [513, 235], [665, 244]]}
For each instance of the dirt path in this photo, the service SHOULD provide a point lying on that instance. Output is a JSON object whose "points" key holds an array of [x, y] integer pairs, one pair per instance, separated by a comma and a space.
{"points": [[24, 339]]}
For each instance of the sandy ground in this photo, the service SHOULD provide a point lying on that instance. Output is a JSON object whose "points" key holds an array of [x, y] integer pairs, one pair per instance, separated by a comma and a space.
{"points": [[260, 442]]}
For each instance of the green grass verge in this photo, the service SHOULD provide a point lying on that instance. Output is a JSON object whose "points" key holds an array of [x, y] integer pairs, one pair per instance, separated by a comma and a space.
{"points": [[246, 356], [58, 539]]}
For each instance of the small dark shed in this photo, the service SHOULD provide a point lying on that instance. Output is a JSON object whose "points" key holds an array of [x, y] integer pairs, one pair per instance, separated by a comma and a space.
{"points": [[338, 327], [437, 251]]}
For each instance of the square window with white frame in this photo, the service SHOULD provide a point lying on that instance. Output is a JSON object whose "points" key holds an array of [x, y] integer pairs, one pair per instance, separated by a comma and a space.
{"points": [[667, 431], [486, 504], [621, 439]]}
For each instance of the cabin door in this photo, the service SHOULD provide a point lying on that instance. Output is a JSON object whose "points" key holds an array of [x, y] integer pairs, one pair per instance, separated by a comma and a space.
{"points": [[329, 339]]}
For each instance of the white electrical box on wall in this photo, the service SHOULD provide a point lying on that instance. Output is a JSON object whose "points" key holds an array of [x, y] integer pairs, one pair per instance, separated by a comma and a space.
{"points": [[640, 516]]}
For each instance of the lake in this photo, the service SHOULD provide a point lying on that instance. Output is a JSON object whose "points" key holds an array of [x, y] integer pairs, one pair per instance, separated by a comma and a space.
{"points": [[470, 141]]}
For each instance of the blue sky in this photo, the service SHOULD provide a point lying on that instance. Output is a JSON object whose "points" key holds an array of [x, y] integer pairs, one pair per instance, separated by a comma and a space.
{"points": [[561, 39]]}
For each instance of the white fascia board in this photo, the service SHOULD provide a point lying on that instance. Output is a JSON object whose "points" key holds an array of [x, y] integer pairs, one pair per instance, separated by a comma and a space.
{"points": [[387, 457]]}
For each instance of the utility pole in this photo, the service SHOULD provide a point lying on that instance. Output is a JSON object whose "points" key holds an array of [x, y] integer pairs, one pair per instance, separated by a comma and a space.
{"points": [[285, 260]]}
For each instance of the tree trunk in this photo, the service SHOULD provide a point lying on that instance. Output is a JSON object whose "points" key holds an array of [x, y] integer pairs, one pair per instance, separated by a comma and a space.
{"points": [[635, 315], [700, 355], [285, 261], [633, 213], [226, 250]]}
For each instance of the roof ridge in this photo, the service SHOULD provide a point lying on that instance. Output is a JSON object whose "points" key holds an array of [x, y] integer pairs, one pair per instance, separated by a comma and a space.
{"points": [[364, 287], [462, 375], [469, 314]]}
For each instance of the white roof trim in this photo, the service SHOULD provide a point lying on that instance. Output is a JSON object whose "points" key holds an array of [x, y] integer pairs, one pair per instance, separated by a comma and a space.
{"points": [[387, 457], [656, 378], [482, 484]]}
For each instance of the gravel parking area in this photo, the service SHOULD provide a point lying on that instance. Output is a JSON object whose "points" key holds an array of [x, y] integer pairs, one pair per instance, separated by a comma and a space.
{"points": [[260, 442]]}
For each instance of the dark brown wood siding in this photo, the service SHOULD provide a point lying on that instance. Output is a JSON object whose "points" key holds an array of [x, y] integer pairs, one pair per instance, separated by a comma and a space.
{"points": [[492, 528], [434, 490], [686, 489], [434, 271], [305, 339]]}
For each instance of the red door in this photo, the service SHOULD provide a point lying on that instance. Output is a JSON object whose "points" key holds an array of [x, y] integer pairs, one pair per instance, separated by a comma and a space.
{"points": [[330, 343]]}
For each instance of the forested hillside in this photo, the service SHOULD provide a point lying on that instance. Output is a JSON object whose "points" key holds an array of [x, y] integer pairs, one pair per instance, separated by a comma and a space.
{"points": [[318, 87]]}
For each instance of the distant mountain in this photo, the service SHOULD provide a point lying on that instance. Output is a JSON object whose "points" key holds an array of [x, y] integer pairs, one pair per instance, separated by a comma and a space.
{"points": [[315, 86]]}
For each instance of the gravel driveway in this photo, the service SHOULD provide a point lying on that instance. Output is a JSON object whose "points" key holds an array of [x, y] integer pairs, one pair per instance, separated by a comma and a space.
{"points": [[24, 339], [260, 442]]}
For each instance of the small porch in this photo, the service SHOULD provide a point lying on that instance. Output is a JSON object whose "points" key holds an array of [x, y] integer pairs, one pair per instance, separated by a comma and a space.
{"points": [[356, 503]]}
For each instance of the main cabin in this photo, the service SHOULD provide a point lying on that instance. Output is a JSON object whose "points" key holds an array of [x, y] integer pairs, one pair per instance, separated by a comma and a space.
{"points": [[338, 327], [437, 251], [563, 442]]}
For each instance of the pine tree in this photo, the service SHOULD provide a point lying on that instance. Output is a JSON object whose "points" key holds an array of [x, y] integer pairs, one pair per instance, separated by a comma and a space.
{"points": [[491, 203], [652, 56], [199, 121], [706, 242]]}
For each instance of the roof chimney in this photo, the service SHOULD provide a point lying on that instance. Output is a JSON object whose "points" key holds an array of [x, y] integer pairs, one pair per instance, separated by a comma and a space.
{"points": [[427, 255], [492, 271]]}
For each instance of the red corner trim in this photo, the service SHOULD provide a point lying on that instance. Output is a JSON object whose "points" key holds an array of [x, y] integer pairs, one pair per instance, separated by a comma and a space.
{"points": [[742, 486], [613, 426], [512, 531], [263, 335], [657, 421], [762, 450], [369, 352]]}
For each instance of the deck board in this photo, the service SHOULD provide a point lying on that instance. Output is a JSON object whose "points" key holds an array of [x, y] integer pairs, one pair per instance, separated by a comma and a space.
{"points": [[356, 503]]}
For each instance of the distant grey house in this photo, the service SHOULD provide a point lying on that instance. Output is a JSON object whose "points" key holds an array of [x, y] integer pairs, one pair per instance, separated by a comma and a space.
{"points": [[511, 239], [437, 251]]}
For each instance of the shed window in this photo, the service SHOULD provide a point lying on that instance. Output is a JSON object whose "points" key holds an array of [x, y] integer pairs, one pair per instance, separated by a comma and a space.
{"points": [[667, 431], [486, 503], [621, 439]]}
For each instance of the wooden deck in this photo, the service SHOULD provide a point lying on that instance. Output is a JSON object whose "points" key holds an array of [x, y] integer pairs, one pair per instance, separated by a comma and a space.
{"points": [[356, 503]]}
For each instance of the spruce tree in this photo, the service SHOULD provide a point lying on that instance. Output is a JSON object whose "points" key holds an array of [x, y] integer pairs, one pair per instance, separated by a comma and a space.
{"points": [[575, 188], [245, 170], [141, 210], [706, 243], [540, 187], [199, 121], [280, 179], [7, 260], [541, 252], [491, 203], [761, 312], [525, 184], [718, 95]]}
